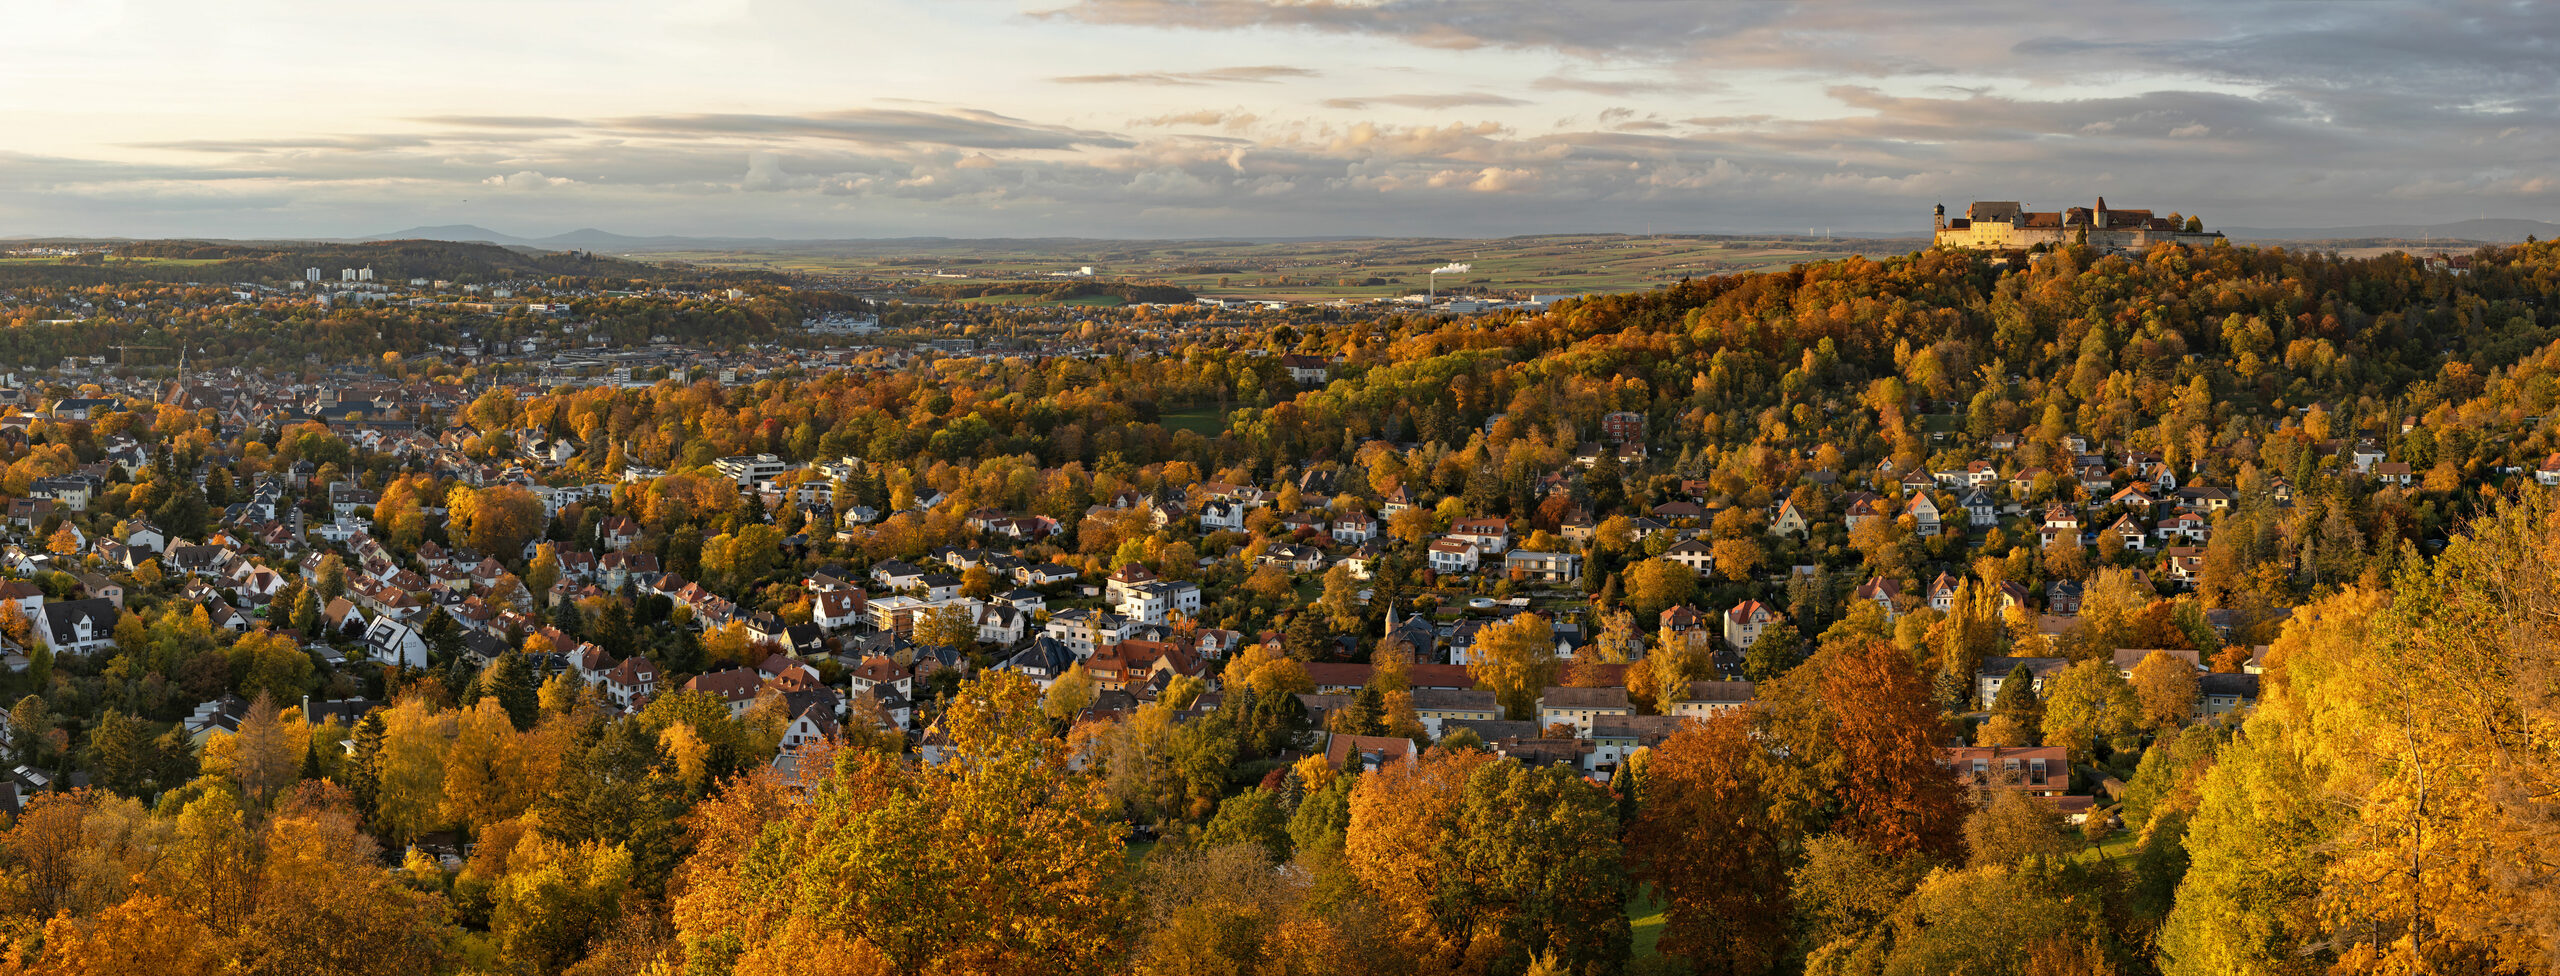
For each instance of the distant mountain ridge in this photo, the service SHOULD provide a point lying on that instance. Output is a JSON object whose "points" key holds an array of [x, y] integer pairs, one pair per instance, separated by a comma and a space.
{"points": [[2503, 230], [584, 238], [2490, 229]]}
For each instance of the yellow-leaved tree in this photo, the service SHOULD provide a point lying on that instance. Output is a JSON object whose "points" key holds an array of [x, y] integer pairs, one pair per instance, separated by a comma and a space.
{"points": [[2389, 807], [993, 860], [1516, 659]]}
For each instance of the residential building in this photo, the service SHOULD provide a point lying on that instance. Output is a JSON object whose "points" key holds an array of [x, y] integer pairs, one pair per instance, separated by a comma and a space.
{"points": [[1995, 670], [1453, 555], [750, 469], [80, 626], [2033, 770], [1547, 567], [631, 682], [1707, 699], [1623, 427], [1437, 705], [1696, 553], [1490, 535], [2223, 694], [1581, 707], [388, 640], [1158, 601], [1367, 753], [1745, 621]]}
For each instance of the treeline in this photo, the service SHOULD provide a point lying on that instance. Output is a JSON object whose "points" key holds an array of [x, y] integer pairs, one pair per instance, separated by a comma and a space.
{"points": [[289, 332], [392, 262]]}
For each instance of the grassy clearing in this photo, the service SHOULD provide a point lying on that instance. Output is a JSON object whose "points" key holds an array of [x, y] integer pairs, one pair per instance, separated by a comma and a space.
{"points": [[1644, 917], [1204, 421], [2117, 847]]}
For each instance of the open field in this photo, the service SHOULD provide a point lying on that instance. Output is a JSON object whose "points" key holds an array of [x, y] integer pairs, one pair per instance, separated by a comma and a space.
{"points": [[1309, 270], [1035, 301]]}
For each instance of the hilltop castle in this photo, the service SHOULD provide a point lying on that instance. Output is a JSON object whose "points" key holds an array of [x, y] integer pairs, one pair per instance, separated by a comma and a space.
{"points": [[1994, 225]]}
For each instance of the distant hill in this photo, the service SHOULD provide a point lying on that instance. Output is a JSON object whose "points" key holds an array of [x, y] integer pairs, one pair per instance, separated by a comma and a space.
{"points": [[2491, 230], [457, 233], [2503, 230], [392, 260]]}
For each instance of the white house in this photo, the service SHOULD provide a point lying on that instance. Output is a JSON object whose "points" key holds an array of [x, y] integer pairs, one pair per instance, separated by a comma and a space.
{"points": [[635, 678], [1453, 555], [1490, 535], [1697, 554], [80, 626], [388, 640], [145, 537], [1354, 527], [836, 610], [1155, 601], [1083, 630]]}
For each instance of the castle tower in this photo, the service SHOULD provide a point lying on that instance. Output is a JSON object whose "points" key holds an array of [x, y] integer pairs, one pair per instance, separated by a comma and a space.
{"points": [[2098, 220], [1942, 216]]}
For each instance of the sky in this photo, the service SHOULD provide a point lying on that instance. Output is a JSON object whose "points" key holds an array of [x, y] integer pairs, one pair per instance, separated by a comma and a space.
{"points": [[1241, 118]]}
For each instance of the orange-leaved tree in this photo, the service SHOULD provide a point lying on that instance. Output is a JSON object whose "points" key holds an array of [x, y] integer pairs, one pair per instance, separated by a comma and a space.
{"points": [[1706, 841], [1896, 795]]}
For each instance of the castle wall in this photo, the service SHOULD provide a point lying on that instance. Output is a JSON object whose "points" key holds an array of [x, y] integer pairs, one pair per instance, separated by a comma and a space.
{"points": [[2007, 237]]}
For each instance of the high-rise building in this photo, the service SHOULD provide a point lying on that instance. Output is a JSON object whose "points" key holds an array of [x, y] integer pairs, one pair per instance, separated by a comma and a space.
{"points": [[310, 274]]}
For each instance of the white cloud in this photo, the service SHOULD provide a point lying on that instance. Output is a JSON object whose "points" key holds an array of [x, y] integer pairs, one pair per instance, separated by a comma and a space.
{"points": [[527, 180]]}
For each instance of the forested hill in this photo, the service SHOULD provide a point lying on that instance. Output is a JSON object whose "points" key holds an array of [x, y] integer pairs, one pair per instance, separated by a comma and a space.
{"points": [[2368, 434], [391, 261], [2197, 355]]}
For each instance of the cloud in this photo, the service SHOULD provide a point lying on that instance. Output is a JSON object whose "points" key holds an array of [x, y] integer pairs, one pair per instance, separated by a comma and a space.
{"points": [[764, 174], [1599, 86], [1202, 117], [1590, 26], [967, 129], [527, 180], [353, 143], [1461, 100], [1261, 74], [502, 121]]}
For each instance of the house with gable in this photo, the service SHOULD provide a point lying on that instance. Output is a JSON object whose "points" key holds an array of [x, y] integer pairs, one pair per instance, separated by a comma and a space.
{"points": [[1745, 621], [631, 682], [80, 626], [389, 640]]}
